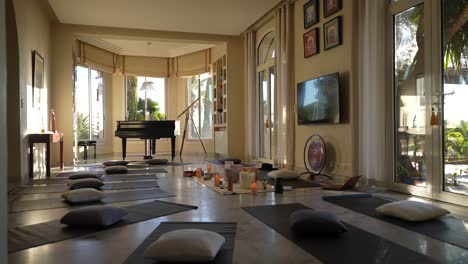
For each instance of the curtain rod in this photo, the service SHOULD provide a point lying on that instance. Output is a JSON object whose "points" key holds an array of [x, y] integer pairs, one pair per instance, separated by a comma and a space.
{"points": [[269, 15]]}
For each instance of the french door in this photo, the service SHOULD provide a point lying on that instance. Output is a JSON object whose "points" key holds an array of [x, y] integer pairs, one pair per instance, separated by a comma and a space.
{"points": [[428, 113]]}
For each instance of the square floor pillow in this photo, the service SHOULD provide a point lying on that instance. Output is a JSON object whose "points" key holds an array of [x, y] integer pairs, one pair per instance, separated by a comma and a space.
{"points": [[157, 161], [315, 223], [186, 245], [284, 174], [411, 211], [84, 175], [84, 195], [117, 169], [115, 163], [94, 216], [85, 183]]}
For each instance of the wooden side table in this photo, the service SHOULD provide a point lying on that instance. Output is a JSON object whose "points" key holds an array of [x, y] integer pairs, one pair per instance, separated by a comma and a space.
{"points": [[46, 138]]}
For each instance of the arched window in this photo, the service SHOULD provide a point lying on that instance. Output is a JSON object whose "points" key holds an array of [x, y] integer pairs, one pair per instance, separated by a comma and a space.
{"points": [[266, 96]]}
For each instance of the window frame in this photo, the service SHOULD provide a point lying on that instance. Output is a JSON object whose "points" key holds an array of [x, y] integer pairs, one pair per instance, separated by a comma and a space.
{"points": [[100, 140], [191, 137], [125, 92]]}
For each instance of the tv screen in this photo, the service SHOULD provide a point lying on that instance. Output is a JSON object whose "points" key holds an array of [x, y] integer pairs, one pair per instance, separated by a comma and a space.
{"points": [[318, 100]]}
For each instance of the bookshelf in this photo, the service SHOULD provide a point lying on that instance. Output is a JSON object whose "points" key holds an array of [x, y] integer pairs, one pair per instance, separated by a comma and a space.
{"points": [[220, 105]]}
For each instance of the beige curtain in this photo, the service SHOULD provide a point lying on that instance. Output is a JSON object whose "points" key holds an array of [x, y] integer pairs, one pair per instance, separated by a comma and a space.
{"points": [[284, 87], [97, 58], [193, 64], [372, 45], [146, 66], [251, 88]]}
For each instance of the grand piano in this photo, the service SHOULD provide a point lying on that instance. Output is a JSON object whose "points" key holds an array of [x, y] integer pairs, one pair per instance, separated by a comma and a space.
{"points": [[147, 130]]}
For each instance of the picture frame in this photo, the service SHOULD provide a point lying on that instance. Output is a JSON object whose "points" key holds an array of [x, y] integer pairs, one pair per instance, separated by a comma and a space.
{"points": [[311, 43], [311, 13], [37, 78], [332, 33], [330, 7]]}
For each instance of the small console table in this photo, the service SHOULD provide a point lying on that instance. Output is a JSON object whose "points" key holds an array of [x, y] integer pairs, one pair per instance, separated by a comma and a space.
{"points": [[45, 138]]}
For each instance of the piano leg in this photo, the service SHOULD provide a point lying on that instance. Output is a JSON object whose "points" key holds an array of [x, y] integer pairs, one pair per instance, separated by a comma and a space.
{"points": [[153, 147], [173, 147], [124, 148]]}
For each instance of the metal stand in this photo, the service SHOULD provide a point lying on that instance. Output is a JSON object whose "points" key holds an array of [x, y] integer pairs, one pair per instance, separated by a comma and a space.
{"points": [[187, 117]]}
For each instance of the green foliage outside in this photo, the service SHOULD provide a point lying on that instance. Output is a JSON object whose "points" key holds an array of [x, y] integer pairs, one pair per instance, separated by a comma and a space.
{"points": [[136, 106], [82, 126], [456, 142]]}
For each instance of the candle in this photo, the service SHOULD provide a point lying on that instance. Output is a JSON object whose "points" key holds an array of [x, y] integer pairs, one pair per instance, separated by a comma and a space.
{"points": [[253, 188], [216, 180], [208, 167], [198, 172]]}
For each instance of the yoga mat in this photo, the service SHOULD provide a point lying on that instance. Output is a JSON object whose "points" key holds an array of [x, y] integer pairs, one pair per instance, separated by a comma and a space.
{"points": [[446, 228], [60, 188], [25, 237], [104, 178], [58, 202], [101, 172], [224, 256], [151, 166], [295, 184], [354, 246]]}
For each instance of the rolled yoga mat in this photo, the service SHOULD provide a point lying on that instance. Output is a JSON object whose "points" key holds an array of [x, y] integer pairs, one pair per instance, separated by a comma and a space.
{"points": [[354, 246], [60, 188], [25, 237], [224, 256], [446, 228], [111, 197]]}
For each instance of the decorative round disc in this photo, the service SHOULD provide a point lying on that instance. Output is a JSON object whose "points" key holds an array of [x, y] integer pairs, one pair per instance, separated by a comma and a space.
{"points": [[316, 155]]}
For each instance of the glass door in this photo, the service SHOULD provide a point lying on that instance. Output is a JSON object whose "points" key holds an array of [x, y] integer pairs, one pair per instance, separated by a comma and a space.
{"points": [[411, 89], [451, 101]]}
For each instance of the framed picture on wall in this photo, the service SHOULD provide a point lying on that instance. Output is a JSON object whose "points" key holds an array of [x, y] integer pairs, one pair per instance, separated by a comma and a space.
{"points": [[37, 78], [311, 43], [311, 13], [330, 7], [332, 33]]}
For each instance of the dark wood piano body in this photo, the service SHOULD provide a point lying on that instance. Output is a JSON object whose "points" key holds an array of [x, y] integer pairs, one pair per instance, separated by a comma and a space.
{"points": [[147, 130]]}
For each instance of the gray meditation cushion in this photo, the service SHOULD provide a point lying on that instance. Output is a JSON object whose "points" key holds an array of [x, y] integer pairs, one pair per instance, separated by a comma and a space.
{"points": [[118, 169], [157, 161], [85, 183], [84, 195], [186, 245], [311, 222], [115, 163], [84, 175], [94, 216], [235, 160]]}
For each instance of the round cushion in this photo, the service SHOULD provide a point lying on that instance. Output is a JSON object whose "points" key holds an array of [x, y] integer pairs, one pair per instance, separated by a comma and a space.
{"points": [[284, 174], [311, 222], [94, 216], [186, 245], [157, 161], [115, 162], [84, 175], [84, 195], [118, 169], [85, 183]]}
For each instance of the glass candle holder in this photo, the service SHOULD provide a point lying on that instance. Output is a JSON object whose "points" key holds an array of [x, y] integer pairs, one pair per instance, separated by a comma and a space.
{"points": [[208, 167], [253, 188], [199, 172], [216, 179]]}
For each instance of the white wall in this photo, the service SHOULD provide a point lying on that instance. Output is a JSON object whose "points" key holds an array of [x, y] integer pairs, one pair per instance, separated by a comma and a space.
{"points": [[34, 34], [3, 142]]}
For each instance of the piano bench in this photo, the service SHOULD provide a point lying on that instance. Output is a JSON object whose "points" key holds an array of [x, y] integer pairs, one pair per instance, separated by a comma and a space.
{"points": [[86, 144]]}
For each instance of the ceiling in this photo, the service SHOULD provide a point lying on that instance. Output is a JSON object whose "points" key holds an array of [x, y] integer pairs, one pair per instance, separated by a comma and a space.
{"points": [[226, 17], [151, 48]]}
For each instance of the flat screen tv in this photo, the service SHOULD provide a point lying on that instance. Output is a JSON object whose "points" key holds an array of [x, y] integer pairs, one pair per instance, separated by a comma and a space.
{"points": [[318, 100]]}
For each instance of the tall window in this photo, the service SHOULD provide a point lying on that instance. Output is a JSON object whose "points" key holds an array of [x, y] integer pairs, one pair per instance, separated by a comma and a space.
{"points": [[145, 93], [266, 94], [199, 86], [89, 104]]}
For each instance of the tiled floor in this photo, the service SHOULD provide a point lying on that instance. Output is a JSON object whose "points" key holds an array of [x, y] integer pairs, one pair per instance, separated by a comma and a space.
{"points": [[255, 242]]}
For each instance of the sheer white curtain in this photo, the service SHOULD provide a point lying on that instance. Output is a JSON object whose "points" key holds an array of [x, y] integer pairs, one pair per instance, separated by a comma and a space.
{"points": [[284, 87], [372, 85], [250, 61]]}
